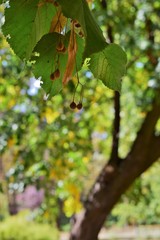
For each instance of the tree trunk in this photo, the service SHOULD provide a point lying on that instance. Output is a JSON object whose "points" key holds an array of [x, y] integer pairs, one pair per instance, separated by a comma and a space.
{"points": [[118, 174], [116, 177], [12, 204]]}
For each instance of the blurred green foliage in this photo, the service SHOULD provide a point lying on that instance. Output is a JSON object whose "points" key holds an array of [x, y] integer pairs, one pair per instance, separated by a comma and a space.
{"points": [[20, 227], [46, 144], [3, 206]]}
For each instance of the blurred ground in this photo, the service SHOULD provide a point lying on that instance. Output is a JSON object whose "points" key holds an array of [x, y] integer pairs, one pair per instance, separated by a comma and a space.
{"points": [[137, 233]]}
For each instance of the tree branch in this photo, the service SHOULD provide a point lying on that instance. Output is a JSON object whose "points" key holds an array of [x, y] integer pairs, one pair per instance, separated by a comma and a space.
{"points": [[147, 129], [110, 187], [151, 38], [116, 124], [154, 152], [116, 129], [104, 4]]}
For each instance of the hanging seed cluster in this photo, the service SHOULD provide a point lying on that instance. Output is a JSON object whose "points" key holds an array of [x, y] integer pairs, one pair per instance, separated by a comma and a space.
{"points": [[60, 25]]}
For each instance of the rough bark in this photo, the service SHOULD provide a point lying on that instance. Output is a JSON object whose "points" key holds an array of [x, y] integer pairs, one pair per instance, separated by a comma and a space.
{"points": [[115, 178]]}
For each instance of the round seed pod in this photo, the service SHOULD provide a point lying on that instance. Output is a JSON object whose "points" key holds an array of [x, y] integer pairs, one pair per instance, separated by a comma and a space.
{"points": [[79, 106], [81, 34], [77, 25], [56, 4], [63, 50], [52, 76], [57, 73], [60, 46], [73, 105]]}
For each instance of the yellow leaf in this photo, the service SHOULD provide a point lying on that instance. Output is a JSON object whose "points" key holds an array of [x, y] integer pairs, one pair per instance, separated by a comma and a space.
{"points": [[11, 103], [85, 159], [10, 142], [46, 214], [58, 22], [71, 135], [71, 206], [50, 115], [73, 190], [52, 175]]}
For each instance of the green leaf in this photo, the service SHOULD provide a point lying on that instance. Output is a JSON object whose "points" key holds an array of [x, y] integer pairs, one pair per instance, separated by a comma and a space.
{"points": [[25, 23], [79, 10], [109, 66], [46, 61], [41, 26]]}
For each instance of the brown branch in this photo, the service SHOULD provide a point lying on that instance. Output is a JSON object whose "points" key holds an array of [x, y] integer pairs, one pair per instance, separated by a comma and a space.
{"points": [[107, 191], [116, 124], [151, 38], [104, 4], [116, 129], [154, 152], [147, 129], [110, 33]]}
